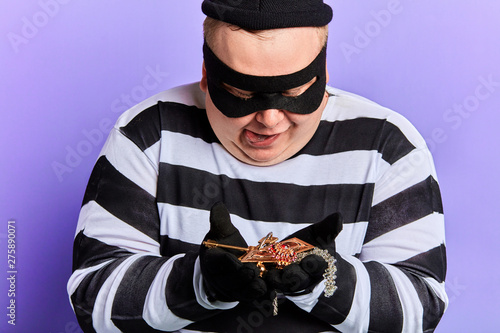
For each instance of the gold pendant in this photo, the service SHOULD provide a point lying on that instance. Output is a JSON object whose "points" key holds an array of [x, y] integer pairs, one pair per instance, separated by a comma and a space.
{"points": [[269, 251]]}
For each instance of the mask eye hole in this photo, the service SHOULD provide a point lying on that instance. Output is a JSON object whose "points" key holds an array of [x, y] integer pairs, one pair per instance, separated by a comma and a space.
{"points": [[243, 94], [296, 92]]}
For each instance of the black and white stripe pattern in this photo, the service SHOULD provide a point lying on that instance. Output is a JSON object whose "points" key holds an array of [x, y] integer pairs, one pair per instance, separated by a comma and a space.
{"points": [[147, 204]]}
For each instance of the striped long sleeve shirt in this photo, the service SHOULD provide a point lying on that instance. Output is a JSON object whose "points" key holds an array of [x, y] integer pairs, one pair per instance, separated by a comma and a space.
{"points": [[146, 210]]}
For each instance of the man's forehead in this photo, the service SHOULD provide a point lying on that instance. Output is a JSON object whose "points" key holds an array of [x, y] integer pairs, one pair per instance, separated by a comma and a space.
{"points": [[267, 52], [226, 30]]}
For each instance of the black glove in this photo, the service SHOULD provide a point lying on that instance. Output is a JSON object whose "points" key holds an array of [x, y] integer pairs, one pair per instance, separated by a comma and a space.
{"points": [[309, 271], [227, 278]]}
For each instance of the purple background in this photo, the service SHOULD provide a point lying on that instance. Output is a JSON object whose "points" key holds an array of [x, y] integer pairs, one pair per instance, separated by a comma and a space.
{"points": [[68, 68]]}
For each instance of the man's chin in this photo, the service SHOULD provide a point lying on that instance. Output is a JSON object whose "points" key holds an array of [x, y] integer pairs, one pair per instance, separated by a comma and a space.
{"points": [[262, 157]]}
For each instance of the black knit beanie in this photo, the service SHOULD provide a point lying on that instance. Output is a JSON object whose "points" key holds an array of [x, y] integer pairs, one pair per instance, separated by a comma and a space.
{"points": [[269, 14]]}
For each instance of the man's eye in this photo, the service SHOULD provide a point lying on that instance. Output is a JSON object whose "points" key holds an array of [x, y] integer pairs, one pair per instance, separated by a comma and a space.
{"points": [[292, 93], [236, 92], [241, 94], [295, 92]]}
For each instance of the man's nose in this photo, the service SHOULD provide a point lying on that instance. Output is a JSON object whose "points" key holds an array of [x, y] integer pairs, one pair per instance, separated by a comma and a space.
{"points": [[270, 117]]}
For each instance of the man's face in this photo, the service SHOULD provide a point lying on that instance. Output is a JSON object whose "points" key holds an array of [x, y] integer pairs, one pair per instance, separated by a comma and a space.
{"points": [[269, 136]]}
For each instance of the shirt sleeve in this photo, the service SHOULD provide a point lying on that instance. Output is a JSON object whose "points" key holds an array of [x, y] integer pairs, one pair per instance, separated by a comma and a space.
{"points": [[120, 281], [396, 283]]}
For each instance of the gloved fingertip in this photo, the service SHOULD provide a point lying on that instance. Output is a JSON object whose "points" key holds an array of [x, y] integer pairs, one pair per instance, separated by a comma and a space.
{"points": [[313, 264], [258, 288], [218, 260], [293, 272], [220, 221], [248, 271], [273, 277], [333, 223]]}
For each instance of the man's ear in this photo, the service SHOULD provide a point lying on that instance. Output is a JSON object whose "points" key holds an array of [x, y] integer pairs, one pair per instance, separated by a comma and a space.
{"points": [[327, 74], [203, 82]]}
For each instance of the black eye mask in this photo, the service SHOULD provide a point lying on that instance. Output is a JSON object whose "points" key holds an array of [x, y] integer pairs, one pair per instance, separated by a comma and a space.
{"points": [[267, 91]]}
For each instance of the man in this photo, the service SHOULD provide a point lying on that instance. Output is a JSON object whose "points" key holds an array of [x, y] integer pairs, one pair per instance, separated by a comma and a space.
{"points": [[261, 145]]}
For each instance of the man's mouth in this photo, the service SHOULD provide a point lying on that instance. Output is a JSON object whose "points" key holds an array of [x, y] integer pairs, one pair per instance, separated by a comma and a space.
{"points": [[261, 140]]}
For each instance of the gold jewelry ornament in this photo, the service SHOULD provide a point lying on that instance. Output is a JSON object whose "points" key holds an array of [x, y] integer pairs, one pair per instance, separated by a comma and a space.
{"points": [[275, 305], [269, 251], [329, 275], [282, 254]]}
